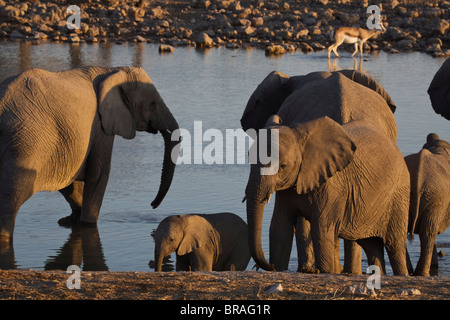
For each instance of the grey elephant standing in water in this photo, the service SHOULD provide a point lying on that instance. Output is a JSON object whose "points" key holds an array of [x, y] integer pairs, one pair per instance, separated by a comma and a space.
{"points": [[430, 197], [203, 242], [57, 131], [339, 168], [439, 90]]}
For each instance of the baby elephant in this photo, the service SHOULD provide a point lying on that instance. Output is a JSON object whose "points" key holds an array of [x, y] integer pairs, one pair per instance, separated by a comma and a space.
{"points": [[203, 242], [429, 213]]}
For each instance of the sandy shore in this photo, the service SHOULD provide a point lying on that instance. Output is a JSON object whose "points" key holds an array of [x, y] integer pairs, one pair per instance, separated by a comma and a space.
{"points": [[247, 285]]}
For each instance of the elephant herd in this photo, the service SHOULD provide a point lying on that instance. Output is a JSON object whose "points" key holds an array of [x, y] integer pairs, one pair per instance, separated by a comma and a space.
{"points": [[341, 174]]}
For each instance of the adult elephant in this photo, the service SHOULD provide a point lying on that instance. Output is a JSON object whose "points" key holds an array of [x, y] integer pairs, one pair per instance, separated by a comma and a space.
{"points": [[339, 168], [439, 90], [430, 197], [57, 132]]}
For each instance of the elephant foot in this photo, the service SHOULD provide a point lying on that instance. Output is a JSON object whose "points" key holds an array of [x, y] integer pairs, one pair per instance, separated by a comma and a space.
{"points": [[70, 221], [308, 270]]}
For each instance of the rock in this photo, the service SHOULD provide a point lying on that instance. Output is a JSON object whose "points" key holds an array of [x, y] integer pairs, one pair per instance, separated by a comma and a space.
{"points": [[302, 33], [289, 47], [74, 38], [275, 50], [409, 292], [349, 19], [140, 39], [16, 34], [440, 26], [434, 47], [93, 32], [442, 253], [165, 48], [257, 22], [248, 31], [275, 288], [40, 36], [204, 41], [138, 13], [406, 44], [361, 289], [157, 12]]}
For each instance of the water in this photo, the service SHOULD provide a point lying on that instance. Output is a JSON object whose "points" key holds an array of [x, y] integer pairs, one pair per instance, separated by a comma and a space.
{"points": [[212, 86]]}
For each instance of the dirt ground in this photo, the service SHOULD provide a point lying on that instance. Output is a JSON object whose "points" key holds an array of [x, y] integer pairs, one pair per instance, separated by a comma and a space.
{"points": [[246, 285]]}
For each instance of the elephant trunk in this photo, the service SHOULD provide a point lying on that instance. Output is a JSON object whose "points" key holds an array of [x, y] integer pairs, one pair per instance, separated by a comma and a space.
{"points": [[255, 211], [159, 257], [171, 149]]}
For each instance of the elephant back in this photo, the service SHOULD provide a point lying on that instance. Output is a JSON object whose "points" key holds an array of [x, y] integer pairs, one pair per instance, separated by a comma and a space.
{"points": [[340, 99]]}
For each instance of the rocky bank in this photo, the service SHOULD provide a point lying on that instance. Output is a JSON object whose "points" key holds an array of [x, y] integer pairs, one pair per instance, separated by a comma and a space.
{"points": [[238, 285], [275, 25]]}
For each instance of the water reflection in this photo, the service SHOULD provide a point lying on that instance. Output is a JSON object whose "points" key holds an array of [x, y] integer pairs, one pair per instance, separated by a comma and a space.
{"points": [[82, 248]]}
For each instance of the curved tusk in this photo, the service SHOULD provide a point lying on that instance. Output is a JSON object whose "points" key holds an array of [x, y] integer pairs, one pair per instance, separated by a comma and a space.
{"points": [[244, 198], [268, 199]]}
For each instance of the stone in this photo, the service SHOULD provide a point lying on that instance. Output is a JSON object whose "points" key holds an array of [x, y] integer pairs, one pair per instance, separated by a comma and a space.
{"points": [[140, 39], [275, 288], [361, 289], [275, 50], [73, 38], [440, 26], [165, 48], [257, 22], [409, 292], [93, 32], [248, 31], [16, 34], [40, 36], [204, 41]]}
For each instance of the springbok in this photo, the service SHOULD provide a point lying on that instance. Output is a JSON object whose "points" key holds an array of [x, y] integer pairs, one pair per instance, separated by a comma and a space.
{"points": [[351, 35]]}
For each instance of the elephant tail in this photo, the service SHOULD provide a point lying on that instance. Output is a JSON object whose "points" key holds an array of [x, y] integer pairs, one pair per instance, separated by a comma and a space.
{"points": [[416, 187]]}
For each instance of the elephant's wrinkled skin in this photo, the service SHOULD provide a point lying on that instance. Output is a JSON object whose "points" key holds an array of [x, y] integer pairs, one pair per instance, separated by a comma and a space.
{"points": [[203, 242], [430, 197], [57, 131], [339, 167]]}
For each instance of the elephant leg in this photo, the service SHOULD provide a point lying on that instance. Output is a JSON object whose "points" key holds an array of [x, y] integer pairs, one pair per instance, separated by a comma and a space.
{"points": [[324, 247], [426, 254], [201, 259], [182, 263], [282, 228], [15, 189], [74, 196], [352, 257], [305, 250], [98, 166], [373, 247]]}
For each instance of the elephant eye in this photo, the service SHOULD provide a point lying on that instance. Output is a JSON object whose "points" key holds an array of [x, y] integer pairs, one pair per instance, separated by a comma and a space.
{"points": [[153, 104]]}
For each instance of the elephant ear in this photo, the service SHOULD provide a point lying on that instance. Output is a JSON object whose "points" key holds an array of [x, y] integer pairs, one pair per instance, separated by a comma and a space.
{"points": [[265, 100], [439, 90], [327, 150], [196, 234], [115, 114], [370, 83]]}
